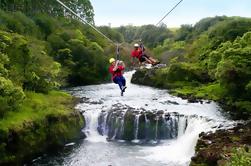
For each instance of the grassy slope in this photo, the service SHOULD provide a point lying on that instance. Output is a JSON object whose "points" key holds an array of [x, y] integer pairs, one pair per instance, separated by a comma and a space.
{"points": [[36, 107], [203, 91], [43, 121]]}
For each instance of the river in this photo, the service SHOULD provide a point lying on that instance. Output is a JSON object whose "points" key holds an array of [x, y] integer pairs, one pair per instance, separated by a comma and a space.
{"points": [[172, 142]]}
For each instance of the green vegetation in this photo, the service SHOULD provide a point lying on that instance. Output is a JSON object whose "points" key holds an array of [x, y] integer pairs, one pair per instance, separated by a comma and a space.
{"points": [[42, 53], [36, 107], [239, 157], [43, 121], [210, 60], [39, 53], [30, 8]]}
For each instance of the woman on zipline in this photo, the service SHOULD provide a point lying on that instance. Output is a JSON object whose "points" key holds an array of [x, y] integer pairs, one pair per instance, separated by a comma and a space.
{"points": [[116, 69], [138, 52]]}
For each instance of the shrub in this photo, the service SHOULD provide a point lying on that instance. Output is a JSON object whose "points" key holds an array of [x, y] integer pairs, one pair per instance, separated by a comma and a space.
{"points": [[11, 96]]}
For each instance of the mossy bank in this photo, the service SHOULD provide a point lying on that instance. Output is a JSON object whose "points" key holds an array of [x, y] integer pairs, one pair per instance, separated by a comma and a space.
{"points": [[43, 122]]}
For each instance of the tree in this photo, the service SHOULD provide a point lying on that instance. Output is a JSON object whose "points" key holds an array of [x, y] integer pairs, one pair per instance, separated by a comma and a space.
{"points": [[33, 7], [234, 68], [184, 33], [11, 96]]}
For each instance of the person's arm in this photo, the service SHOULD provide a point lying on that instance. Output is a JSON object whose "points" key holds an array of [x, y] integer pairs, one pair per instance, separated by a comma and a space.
{"points": [[116, 66], [142, 47], [122, 64]]}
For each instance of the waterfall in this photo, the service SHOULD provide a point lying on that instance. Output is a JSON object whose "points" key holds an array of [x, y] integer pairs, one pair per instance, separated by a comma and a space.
{"points": [[182, 125], [91, 118], [147, 126], [136, 126], [139, 125], [156, 128]]}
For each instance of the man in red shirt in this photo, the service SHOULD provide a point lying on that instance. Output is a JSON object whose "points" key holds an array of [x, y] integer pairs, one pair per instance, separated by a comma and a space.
{"points": [[116, 69], [138, 52]]}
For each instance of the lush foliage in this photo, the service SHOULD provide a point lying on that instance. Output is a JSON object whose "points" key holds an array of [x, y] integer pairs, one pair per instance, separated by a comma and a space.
{"points": [[38, 54], [53, 8], [44, 121], [239, 157], [151, 35], [211, 59], [41, 53]]}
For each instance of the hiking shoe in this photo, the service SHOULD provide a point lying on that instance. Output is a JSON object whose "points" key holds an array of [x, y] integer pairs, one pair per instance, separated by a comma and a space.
{"points": [[122, 93], [124, 88]]}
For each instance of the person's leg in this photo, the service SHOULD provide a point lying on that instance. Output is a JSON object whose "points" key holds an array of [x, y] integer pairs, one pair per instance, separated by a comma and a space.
{"points": [[143, 59], [123, 80], [117, 80], [151, 59]]}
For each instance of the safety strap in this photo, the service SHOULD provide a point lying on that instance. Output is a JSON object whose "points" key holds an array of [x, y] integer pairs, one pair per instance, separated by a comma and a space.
{"points": [[142, 46]]}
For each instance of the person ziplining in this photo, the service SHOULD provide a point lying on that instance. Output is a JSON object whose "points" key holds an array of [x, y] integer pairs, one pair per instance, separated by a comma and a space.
{"points": [[139, 53], [116, 69]]}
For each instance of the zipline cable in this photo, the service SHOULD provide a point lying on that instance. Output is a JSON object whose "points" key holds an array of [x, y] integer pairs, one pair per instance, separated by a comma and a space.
{"points": [[169, 12], [74, 13], [117, 52]]}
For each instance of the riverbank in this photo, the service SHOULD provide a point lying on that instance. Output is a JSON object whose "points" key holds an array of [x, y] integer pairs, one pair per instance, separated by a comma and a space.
{"points": [[43, 122], [224, 147], [193, 91]]}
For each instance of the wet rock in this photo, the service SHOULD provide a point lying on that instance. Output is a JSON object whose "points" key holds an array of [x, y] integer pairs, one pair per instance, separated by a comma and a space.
{"points": [[142, 127], [144, 77], [82, 135], [208, 102], [192, 99], [212, 147], [128, 126], [84, 100], [170, 102], [97, 102], [160, 112]]}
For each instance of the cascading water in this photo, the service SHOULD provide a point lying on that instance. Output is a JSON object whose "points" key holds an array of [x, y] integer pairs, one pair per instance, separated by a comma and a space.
{"points": [[163, 126], [136, 126], [146, 126]]}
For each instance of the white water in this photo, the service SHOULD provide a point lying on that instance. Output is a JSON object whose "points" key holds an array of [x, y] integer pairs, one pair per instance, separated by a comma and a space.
{"points": [[95, 150], [136, 127]]}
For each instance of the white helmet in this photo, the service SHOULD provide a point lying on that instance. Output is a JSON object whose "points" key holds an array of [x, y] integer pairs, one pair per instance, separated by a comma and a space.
{"points": [[136, 45]]}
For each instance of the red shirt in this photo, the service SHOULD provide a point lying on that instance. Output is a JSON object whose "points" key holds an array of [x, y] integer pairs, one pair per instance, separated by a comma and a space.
{"points": [[137, 53], [118, 72]]}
